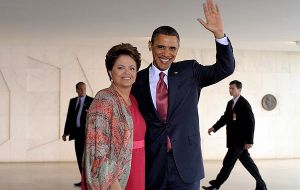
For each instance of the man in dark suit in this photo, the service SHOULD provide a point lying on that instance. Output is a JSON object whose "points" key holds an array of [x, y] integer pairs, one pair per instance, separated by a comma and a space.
{"points": [[239, 121], [168, 95], [75, 122]]}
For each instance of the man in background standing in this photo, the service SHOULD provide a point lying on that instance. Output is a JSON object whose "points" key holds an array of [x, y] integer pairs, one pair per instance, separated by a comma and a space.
{"points": [[75, 122]]}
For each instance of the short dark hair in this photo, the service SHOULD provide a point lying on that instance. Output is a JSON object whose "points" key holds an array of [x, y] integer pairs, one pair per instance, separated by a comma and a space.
{"points": [[166, 30], [78, 84], [121, 49], [237, 83]]}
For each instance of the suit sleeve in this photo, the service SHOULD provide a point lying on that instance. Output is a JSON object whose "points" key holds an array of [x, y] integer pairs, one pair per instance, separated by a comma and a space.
{"points": [[223, 119], [224, 66], [68, 120]]}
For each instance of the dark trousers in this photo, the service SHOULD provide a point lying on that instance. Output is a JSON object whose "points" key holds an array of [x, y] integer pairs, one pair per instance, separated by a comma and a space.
{"points": [[79, 146], [229, 161], [173, 180]]}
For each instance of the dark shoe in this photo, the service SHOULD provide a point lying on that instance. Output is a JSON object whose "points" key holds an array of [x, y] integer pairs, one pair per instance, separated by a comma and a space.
{"points": [[77, 184], [261, 188], [210, 188]]}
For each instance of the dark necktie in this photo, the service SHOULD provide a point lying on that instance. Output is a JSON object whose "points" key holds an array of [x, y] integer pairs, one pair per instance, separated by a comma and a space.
{"points": [[77, 106], [78, 115], [162, 102]]}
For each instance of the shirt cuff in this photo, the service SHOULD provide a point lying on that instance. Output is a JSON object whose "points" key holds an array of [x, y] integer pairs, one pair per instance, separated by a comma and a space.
{"points": [[223, 41]]}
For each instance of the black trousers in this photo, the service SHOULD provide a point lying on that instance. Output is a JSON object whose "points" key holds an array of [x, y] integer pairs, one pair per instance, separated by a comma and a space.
{"points": [[229, 161], [79, 146]]}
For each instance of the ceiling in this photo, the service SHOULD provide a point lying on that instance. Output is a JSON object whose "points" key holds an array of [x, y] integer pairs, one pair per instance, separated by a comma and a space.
{"points": [[256, 24]]}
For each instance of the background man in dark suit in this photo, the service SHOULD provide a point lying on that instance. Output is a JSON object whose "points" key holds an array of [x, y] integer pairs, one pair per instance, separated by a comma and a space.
{"points": [[239, 121], [75, 122], [168, 95]]}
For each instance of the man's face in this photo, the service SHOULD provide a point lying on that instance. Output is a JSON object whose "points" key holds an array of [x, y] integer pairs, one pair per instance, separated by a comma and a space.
{"points": [[81, 90], [234, 91], [164, 50]]}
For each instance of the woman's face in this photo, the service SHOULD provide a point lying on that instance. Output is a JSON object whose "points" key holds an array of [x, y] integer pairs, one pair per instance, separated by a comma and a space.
{"points": [[123, 73]]}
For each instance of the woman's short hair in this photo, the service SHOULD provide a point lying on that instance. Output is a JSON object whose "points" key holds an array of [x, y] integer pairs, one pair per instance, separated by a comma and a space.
{"points": [[122, 49]]}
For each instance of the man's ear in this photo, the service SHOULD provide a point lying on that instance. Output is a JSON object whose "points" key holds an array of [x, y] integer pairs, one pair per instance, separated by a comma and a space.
{"points": [[150, 45]]}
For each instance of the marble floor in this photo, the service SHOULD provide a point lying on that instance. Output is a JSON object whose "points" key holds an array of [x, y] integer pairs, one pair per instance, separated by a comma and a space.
{"points": [[278, 174]]}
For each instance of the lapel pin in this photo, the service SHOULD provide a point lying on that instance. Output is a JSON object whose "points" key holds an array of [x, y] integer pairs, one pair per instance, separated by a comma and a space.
{"points": [[175, 73]]}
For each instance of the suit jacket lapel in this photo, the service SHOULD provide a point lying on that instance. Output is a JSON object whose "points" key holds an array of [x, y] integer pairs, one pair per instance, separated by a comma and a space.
{"points": [[237, 103], [147, 91], [173, 82], [74, 104], [229, 108], [85, 101]]}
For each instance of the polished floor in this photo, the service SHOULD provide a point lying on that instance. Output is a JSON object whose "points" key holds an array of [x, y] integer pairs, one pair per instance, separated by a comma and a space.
{"points": [[278, 174]]}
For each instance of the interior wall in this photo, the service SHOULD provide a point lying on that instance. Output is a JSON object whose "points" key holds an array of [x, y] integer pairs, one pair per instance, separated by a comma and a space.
{"points": [[261, 72], [36, 83]]}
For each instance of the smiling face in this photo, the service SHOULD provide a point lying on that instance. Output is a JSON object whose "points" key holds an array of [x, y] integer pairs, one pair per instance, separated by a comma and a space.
{"points": [[123, 73], [164, 50]]}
